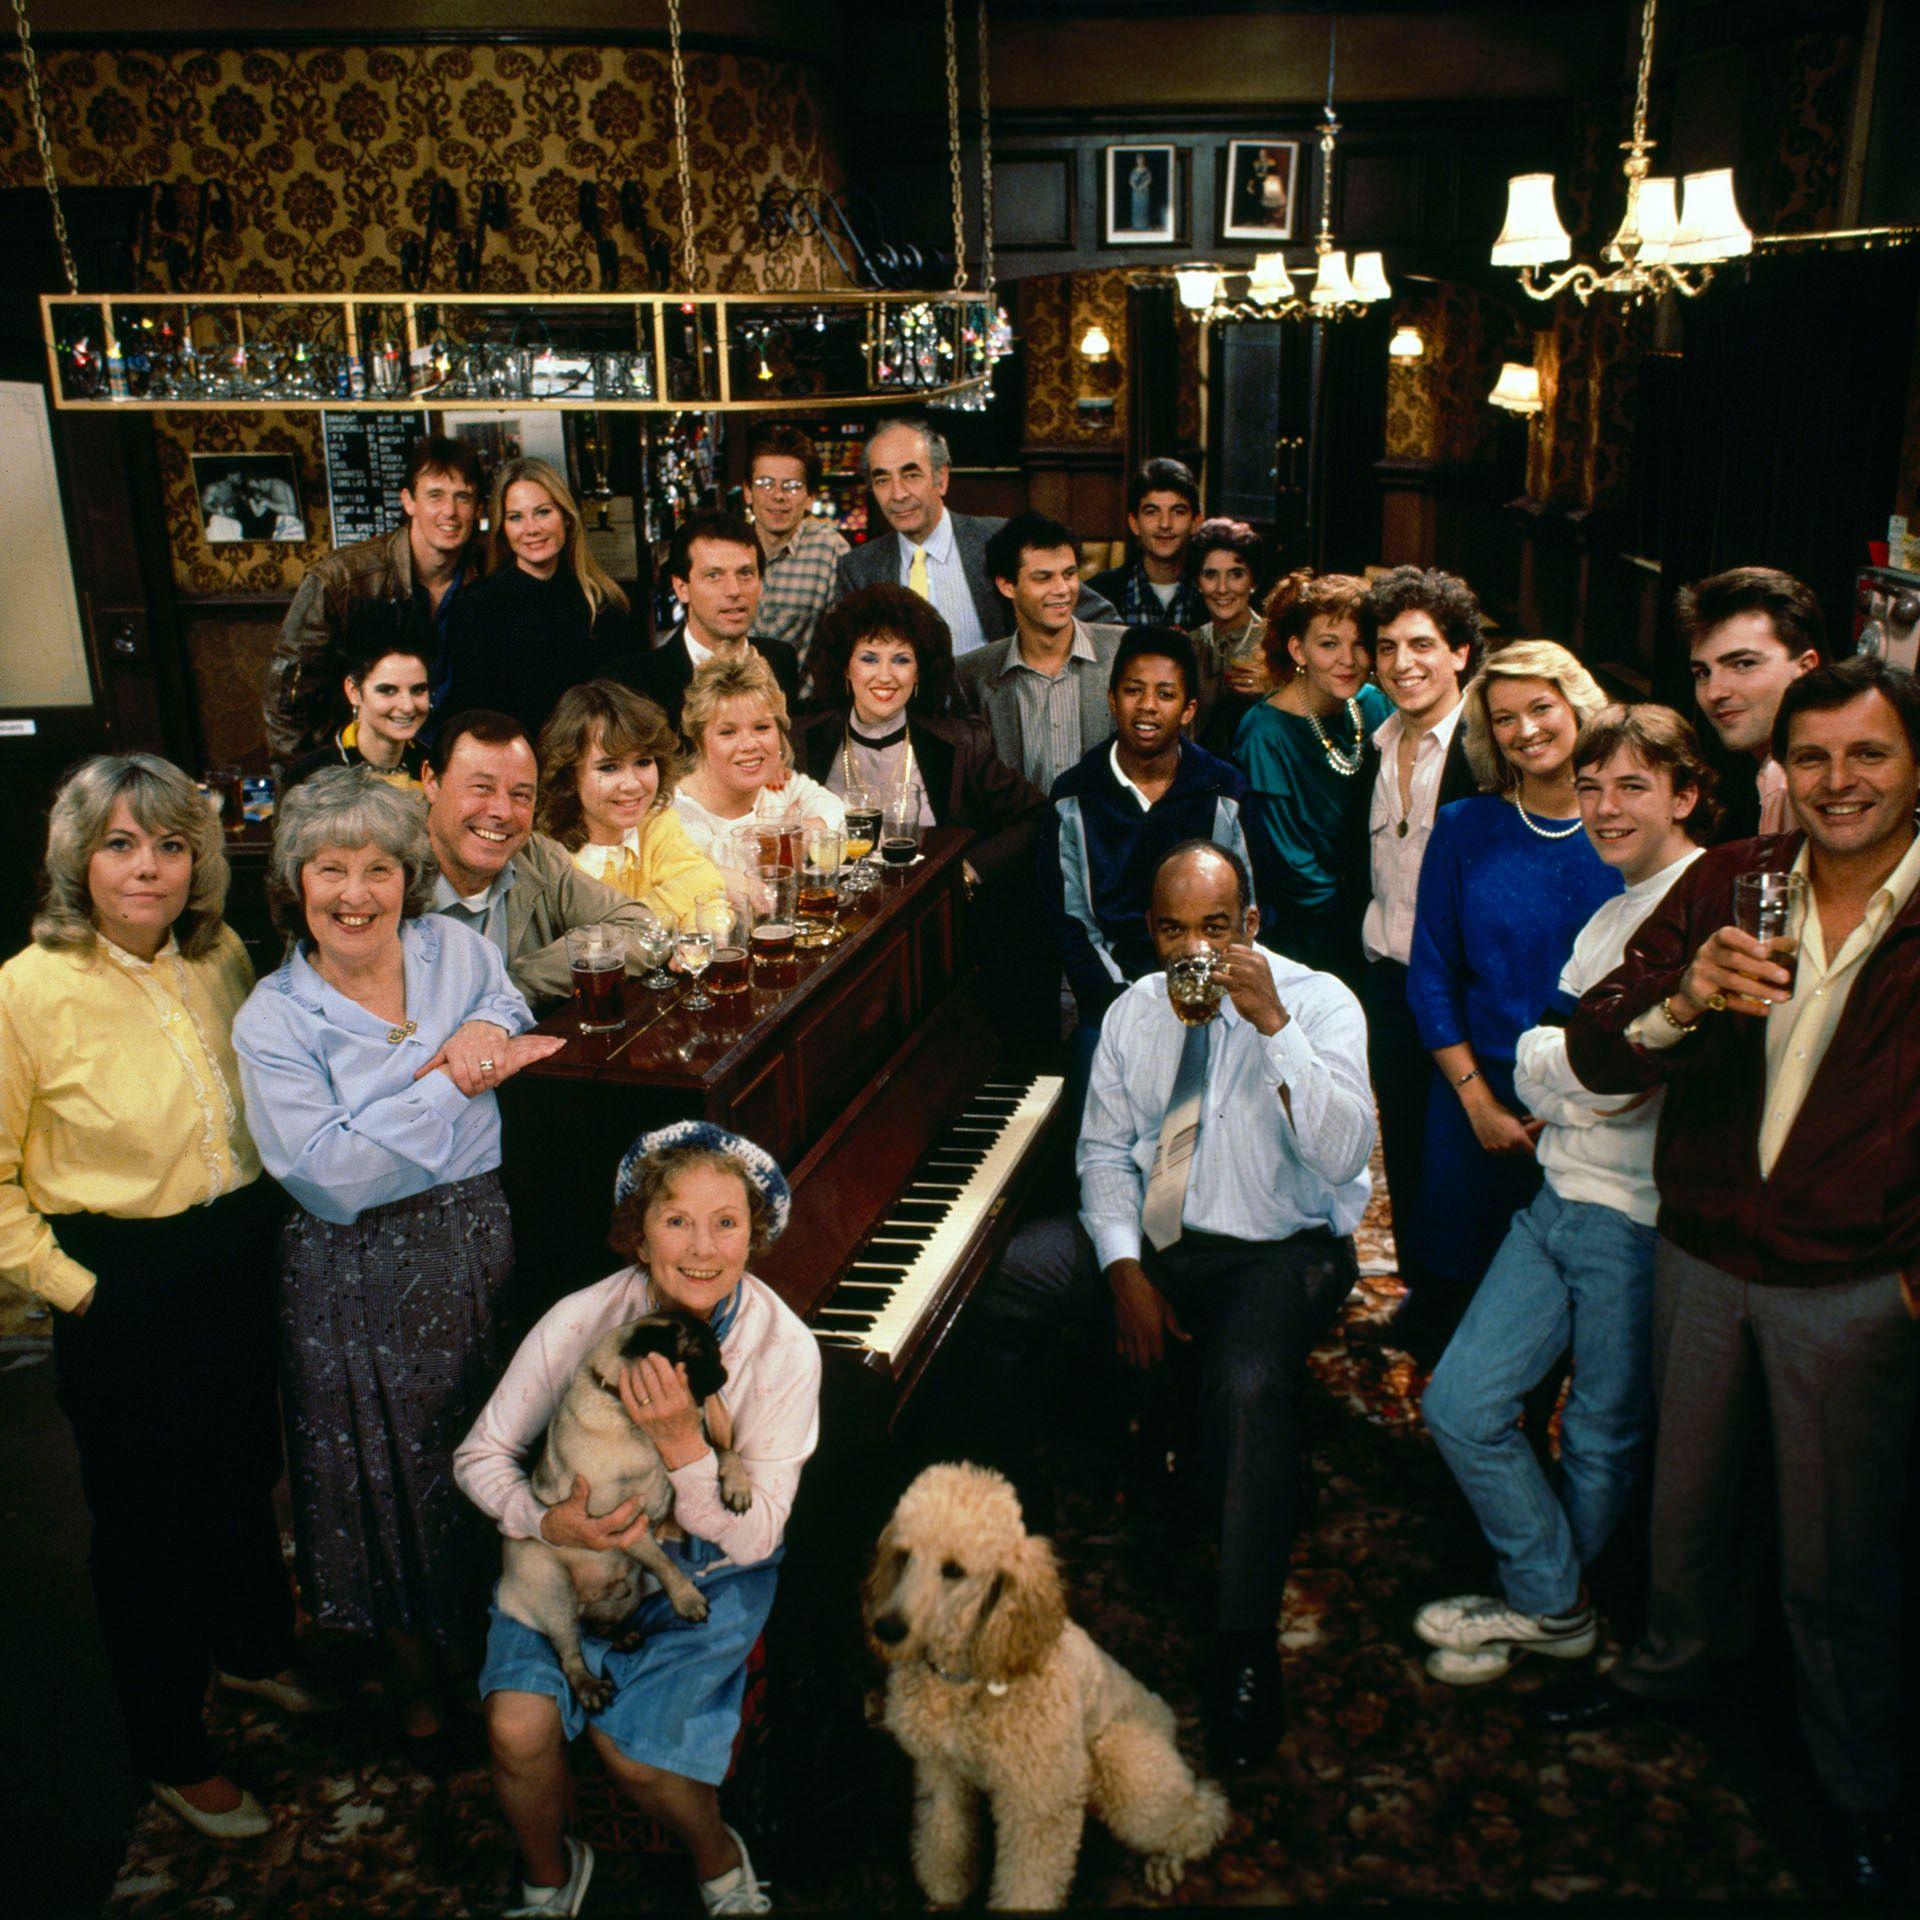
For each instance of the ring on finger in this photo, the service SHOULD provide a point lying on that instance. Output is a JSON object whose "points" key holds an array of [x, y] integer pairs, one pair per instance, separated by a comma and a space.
{"points": [[486, 1066], [1717, 1001]]}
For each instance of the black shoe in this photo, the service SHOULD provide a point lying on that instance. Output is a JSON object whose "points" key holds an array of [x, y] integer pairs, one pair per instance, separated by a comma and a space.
{"points": [[1873, 1860], [1247, 1709], [1573, 1706]]}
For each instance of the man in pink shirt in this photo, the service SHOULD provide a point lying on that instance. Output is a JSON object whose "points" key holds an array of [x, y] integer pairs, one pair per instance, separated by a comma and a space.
{"points": [[1751, 632]]}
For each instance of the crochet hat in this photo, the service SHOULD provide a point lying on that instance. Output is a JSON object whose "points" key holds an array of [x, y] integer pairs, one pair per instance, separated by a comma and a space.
{"points": [[762, 1169]]}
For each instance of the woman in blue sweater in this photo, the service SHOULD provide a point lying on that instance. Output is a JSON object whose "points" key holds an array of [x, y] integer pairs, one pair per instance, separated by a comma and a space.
{"points": [[1508, 881]]}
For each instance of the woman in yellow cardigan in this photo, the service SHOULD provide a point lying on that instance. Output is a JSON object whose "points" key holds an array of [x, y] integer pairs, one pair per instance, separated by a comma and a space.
{"points": [[606, 777]]}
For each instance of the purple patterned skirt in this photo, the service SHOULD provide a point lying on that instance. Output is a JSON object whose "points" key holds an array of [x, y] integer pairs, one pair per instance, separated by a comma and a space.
{"points": [[389, 1351]]}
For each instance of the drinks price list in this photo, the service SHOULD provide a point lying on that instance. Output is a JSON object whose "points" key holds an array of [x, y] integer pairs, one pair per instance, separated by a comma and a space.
{"points": [[366, 462]]}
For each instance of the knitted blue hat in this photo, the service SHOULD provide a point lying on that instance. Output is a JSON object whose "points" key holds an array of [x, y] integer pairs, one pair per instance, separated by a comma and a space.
{"points": [[762, 1169]]}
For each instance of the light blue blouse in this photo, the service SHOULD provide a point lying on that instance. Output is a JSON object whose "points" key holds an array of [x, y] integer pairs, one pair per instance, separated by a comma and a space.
{"points": [[332, 1103]]}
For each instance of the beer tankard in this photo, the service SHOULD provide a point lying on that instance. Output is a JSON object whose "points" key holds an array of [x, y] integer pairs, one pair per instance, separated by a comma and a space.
{"points": [[775, 929], [597, 959], [818, 895], [1194, 986], [899, 839], [1773, 908]]}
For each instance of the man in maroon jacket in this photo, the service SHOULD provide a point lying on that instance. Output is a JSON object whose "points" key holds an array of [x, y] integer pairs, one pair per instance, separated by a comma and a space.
{"points": [[1788, 1163]]}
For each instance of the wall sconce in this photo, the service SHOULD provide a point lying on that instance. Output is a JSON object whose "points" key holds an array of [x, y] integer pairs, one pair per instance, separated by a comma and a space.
{"points": [[1094, 344], [1517, 390], [1406, 344]]}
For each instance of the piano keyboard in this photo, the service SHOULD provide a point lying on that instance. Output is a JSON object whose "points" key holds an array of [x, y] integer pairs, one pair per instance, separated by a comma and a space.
{"points": [[898, 1274]]}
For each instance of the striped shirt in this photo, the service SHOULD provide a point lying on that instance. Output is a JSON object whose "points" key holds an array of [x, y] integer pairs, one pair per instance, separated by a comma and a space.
{"points": [[1050, 711], [796, 584], [952, 592]]}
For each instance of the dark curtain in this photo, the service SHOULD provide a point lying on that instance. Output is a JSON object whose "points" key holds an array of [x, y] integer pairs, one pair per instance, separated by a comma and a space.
{"points": [[1790, 401], [1153, 371], [1353, 431]]}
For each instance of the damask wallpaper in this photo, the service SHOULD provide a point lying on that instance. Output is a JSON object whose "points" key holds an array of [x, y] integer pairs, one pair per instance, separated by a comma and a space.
{"points": [[1055, 311]]}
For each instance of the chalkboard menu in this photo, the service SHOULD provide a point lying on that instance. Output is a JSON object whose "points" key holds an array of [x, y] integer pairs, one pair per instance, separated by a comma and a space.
{"points": [[366, 462]]}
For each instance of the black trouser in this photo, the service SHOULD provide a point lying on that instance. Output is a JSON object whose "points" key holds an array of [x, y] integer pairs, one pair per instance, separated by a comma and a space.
{"points": [[1402, 1071], [1256, 1310], [168, 1380]]}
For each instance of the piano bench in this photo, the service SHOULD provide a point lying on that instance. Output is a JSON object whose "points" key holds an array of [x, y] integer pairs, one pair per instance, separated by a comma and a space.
{"points": [[605, 1818]]}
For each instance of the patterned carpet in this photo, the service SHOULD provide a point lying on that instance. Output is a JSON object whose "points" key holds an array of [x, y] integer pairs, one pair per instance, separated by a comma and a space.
{"points": [[1388, 1789]]}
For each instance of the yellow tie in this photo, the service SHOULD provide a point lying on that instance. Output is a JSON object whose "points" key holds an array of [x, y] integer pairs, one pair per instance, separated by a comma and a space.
{"points": [[917, 580], [624, 873]]}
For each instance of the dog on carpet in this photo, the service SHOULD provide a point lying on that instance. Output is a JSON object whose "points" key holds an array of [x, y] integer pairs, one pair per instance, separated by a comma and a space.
{"points": [[559, 1590], [993, 1691]]}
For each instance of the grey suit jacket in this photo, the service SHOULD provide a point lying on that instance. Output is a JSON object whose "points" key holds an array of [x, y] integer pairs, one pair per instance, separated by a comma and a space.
{"points": [[878, 563], [550, 894], [983, 686]]}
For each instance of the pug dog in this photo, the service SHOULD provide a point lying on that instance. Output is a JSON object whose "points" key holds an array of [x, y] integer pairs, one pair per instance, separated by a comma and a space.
{"points": [[558, 1590]]}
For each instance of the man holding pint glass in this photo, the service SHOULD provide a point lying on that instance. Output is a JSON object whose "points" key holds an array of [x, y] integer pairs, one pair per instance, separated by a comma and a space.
{"points": [[1787, 1272], [1223, 1169]]}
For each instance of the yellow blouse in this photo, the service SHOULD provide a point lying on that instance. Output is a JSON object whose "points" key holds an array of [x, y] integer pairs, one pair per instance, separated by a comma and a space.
{"points": [[119, 1094], [656, 863]]}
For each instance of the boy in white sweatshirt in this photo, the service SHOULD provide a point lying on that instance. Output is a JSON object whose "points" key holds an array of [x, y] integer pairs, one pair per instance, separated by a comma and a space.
{"points": [[1576, 1268]]}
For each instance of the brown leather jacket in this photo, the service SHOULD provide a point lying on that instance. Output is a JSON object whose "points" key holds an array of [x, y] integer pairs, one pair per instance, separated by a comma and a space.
{"points": [[303, 703]]}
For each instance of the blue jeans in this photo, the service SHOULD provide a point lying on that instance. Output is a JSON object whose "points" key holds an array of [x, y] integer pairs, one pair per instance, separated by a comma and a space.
{"points": [[1568, 1273]]}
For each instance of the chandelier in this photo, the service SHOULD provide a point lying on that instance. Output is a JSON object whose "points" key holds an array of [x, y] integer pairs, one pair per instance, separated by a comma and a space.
{"points": [[1270, 294], [1666, 243]]}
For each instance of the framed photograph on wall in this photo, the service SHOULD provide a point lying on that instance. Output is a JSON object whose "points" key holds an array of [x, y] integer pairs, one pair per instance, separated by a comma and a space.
{"points": [[1261, 179], [1142, 182], [248, 496]]}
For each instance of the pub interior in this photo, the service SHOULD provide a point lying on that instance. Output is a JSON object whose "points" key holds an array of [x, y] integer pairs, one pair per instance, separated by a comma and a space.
{"points": [[715, 407]]}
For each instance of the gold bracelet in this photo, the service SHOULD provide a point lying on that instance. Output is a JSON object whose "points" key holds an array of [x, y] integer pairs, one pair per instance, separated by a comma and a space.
{"points": [[1673, 1019]]}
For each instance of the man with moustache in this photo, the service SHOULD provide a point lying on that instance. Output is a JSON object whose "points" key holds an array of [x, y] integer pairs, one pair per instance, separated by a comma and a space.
{"points": [[424, 562], [937, 553], [799, 554], [516, 887], [1787, 1271], [1158, 588], [714, 563], [1750, 633], [1424, 627]]}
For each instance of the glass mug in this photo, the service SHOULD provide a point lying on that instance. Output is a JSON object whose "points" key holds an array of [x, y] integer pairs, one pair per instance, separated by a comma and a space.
{"points": [[776, 927], [1194, 985], [727, 924], [597, 959], [1773, 908], [899, 839], [818, 898]]}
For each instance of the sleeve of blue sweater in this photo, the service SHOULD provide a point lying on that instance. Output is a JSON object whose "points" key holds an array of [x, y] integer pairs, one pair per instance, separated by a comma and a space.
{"points": [[1437, 965], [1060, 857]]}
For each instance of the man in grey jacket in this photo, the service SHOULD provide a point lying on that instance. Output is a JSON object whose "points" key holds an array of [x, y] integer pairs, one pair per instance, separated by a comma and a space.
{"points": [[940, 554], [516, 887]]}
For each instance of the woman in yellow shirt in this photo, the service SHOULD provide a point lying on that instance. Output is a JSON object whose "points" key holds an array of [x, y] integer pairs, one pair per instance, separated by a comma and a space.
{"points": [[131, 1201], [606, 778]]}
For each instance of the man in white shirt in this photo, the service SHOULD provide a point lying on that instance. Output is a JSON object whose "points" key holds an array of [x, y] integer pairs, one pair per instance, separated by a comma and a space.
{"points": [[1576, 1268], [1424, 628], [1750, 633], [1223, 1169]]}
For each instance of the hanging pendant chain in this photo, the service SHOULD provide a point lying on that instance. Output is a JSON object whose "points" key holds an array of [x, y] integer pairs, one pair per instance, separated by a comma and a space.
{"points": [[31, 63], [680, 144], [953, 152], [986, 174]]}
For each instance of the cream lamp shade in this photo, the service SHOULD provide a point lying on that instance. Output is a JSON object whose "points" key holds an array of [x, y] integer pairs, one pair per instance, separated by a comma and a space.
{"points": [[1710, 227], [1406, 344], [1517, 390], [1370, 277], [1330, 282], [1533, 235], [1198, 286], [1094, 342]]}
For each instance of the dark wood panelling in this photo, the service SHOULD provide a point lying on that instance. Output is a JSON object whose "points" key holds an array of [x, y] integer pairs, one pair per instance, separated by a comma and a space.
{"points": [[1384, 197], [1033, 201]]}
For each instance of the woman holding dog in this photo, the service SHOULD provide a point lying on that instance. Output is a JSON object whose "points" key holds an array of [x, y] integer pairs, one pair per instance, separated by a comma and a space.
{"points": [[693, 1203], [370, 1061], [131, 1202]]}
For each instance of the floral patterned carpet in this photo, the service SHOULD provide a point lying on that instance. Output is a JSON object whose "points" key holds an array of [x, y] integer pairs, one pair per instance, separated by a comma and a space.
{"points": [[1389, 1789]]}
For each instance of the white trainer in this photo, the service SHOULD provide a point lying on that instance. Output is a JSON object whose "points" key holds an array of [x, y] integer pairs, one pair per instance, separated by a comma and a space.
{"points": [[737, 1890], [1469, 1669], [1478, 1622], [544, 1903]]}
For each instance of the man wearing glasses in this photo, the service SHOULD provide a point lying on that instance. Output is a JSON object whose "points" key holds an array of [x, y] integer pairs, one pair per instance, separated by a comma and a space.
{"points": [[799, 552]]}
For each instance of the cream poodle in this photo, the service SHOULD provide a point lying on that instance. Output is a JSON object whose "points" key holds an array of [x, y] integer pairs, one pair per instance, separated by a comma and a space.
{"points": [[993, 1690]]}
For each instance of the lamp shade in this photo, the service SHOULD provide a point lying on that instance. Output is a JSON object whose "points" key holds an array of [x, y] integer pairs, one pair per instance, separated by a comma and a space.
{"points": [[1710, 227], [1517, 390], [1269, 281], [1533, 235], [1330, 282], [1406, 344], [1094, 342], [1370, 277], [1199, 285]]}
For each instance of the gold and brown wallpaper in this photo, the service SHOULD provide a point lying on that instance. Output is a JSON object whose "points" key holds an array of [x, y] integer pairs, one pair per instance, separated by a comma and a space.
{"points": [[1055, 311]]}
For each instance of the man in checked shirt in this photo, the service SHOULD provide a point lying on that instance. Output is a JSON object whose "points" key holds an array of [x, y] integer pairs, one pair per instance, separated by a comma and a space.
{"points": [[799, 551]]}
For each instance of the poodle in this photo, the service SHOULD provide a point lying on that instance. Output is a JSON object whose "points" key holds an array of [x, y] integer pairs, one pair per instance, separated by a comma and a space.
{"points": [[992, 1690]]}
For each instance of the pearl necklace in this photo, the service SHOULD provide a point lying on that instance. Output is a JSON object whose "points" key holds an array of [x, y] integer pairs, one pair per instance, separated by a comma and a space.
{"points": [[1338, 761], [1545, 833]]}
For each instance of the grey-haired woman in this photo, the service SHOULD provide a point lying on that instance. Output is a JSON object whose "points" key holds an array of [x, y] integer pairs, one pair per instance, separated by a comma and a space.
{"points": [[370, 1060], [131, 1202]]}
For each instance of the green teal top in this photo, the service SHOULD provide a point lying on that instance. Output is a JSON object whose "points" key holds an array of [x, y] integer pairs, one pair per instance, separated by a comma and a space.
{"points": [[1299, 815]]}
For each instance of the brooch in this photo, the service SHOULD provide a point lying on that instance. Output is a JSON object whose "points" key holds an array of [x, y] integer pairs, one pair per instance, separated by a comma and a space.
{"points": [[404, 1031]]}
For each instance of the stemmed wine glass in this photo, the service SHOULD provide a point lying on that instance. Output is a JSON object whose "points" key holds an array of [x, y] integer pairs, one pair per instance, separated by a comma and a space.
{"points": [[653, 941], [693, 948], [863, 834]]}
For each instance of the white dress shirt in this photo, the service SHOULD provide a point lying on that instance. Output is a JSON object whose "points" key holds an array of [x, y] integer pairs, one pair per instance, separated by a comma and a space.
{"points": [[1387, 931], [1264, 1169], [952, 591], [1589, 1150]]}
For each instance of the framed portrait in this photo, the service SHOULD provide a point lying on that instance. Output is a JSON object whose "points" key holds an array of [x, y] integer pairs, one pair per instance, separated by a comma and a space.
{"points": [[248, 496], [1141, 195], [496, 436], [1262, 177]]}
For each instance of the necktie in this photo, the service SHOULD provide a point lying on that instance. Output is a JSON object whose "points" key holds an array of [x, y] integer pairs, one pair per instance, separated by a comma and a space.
{"points": [[1179, 1136], [917, 580], [624, 873]]}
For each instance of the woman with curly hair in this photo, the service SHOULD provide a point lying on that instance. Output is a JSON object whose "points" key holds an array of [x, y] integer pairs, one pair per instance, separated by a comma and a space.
{"points": [[606, 794], [1230, 567], [1509, 879]]}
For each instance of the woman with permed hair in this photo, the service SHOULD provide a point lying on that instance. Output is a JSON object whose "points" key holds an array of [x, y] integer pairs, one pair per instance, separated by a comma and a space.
{"points": [[371, 1060], [693, 1203], [131, 1203]]}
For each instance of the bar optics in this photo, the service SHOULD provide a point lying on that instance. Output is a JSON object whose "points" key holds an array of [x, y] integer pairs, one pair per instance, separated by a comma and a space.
{"points": [[1667, 242]]}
